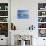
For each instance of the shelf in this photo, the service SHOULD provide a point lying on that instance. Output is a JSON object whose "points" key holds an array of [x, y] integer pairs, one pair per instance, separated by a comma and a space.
{"points": [[42, 19], [41, 10], [3, 22], [3, 16], [41, 22], [3, 10], [42, 16], [41, 28]]}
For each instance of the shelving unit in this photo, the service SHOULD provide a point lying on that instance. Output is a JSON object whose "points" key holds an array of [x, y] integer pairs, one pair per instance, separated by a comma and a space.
{"points": [[42, 19], [4, 19]]}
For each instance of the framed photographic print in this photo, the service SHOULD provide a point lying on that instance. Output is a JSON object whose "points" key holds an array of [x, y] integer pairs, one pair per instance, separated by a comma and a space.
{"points": [[22, 14]]}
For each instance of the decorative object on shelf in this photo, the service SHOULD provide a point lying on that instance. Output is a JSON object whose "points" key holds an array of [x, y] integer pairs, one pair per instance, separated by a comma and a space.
{"points": [[22, 14], [6, 7], [3, 19], [31, 27], [0, 7], [45, 7], [43, 13], [41, 25], [3, 13], [4, 29], [13, 27], [41, 19], [23, 40], [41, 6], [24, 37], [4, 26], [42, 32]]}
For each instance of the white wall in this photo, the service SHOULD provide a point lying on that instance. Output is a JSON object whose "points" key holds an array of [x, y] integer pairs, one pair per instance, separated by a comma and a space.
{"points": [[32, 6], [24, 4]]}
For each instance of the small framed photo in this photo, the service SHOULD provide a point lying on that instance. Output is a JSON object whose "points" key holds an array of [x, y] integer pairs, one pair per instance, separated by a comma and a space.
{"points": [[22, 14]]}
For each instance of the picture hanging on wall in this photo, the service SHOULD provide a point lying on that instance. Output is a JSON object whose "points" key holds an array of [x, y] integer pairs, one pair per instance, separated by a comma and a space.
{"points": [[22, 14]]}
